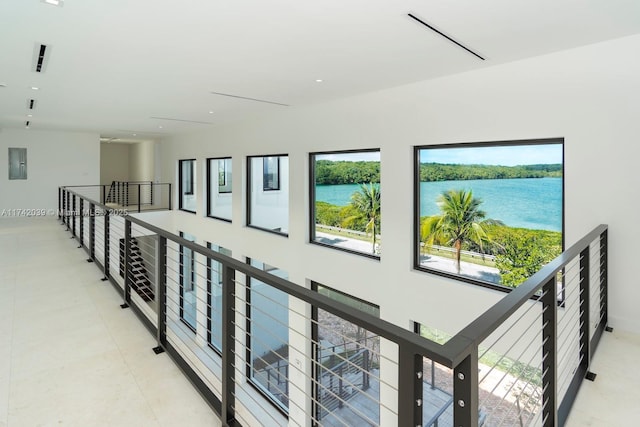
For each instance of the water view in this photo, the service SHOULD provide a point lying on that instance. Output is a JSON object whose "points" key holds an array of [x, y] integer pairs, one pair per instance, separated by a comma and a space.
{"points": [[534, 203]]}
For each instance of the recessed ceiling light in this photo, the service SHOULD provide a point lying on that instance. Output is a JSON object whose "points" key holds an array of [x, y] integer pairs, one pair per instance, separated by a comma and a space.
{"points": [[54, 2], [159, 127], [210, 112], [135, 134], [318, 80], [35, 88], [29, 115]]}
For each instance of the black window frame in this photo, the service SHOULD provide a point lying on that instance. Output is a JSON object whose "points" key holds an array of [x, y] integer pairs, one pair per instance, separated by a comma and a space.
{"points": [[416, 204], [266, 171], [182, 284], [312, 199], [248, 190], [210, 342], [210, 170], [315, 340], [189, 191], [279, 406]]}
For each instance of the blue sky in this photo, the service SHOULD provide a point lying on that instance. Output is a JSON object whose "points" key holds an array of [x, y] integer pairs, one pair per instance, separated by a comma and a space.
{"points": [[371, 156], [495, 155]]}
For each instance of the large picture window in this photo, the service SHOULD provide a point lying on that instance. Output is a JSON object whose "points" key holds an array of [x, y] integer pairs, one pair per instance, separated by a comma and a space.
{"points": [[345, 200], [268, 337], [219, 197], [489, 213], [268, 193], [188, 294], [186, 180]]}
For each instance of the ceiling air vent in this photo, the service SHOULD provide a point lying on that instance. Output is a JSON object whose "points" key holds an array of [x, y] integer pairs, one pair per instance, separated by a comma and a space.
{"points": [[41, 54], [440, 33]]}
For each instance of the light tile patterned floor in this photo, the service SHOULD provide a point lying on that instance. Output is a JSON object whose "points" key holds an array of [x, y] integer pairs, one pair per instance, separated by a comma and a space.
{"points": [[69, 355]]}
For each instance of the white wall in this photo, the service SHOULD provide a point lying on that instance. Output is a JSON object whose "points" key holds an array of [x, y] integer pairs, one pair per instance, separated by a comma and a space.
{"points": [[588, 95], [53, 159], [114, 162], [142, 161]]}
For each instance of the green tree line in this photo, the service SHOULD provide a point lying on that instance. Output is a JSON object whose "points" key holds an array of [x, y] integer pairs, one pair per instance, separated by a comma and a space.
{"points": [[329, 172], [453, 172]]}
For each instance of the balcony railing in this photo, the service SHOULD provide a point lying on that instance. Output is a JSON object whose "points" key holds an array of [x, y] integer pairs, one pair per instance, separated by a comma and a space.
{"points": [[132, 196], [250, 351]]}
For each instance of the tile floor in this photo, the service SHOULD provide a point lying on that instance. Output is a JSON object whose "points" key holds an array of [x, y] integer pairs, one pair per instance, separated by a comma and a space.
{"points": [[70, 356]]}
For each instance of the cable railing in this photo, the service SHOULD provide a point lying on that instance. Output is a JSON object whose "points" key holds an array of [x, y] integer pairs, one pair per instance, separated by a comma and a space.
{"points": [[129, 196], [265, 351]]}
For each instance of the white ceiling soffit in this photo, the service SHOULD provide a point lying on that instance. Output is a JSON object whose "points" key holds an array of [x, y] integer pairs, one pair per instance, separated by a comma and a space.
{"points": [[162, 67]]}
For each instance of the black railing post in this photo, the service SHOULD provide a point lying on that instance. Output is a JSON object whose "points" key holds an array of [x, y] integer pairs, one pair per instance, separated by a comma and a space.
{"points": [[106, 245], [585, 310], [66, 208], [228, 346], [104, 195], [81, 219], [604, 275], [139, 198], [170, 196], [126, 193], [409, 388], [73, 212], [127, 262], [92, 231], [465, 391], [151, 193], [161, 291], [59, 201], [549, 357]]}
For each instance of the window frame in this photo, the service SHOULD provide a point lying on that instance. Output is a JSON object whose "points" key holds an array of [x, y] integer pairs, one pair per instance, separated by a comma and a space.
{"points": [[265, 168], [182, 284], [220, 250], [248, 189], [181, 190], [312, 199], [221, 160], [315, 340], [279, 406], [417, 206]]}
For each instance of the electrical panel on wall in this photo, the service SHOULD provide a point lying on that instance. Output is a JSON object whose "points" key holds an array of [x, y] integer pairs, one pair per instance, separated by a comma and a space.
{"points": [[17, 163]]}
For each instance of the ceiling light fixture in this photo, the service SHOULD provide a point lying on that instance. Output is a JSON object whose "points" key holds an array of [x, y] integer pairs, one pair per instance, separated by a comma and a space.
{"points": [[210, 112], [54, 2], [135, 134], [318, 80], [29, 115], [159, 127], [35, 88]]}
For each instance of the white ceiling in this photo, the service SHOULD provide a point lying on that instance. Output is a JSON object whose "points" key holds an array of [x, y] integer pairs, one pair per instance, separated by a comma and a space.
{"points": [[119, 67]]}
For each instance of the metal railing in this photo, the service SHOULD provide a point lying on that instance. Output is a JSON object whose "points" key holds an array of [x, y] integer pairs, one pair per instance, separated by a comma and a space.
{"points": [[519, 363], [133, 196]]}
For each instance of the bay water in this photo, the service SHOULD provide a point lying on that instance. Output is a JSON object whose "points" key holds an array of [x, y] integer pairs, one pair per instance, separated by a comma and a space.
{"points": [[533, 203]]}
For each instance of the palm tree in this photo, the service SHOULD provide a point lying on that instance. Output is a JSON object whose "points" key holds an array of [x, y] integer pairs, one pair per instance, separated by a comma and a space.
{"points": [[366, 203], [460, 221]]}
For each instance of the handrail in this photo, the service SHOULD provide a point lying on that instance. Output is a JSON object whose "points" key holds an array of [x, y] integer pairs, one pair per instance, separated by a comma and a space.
{"points": [[479, 329], [460, 352]]}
